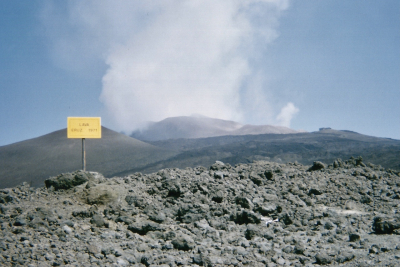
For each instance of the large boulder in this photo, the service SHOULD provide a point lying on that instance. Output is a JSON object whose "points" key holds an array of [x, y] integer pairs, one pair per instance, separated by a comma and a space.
{"points": [[104, 194], [317, 165], [68, 180], [144, 227], [386, 225], [183, 242]]}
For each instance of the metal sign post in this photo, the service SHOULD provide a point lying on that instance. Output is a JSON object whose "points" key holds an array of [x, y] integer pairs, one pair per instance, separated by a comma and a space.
{"points": [[84, 127], [83, 155]]}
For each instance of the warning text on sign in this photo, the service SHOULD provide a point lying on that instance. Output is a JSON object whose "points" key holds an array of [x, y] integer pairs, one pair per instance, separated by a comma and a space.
{"points": [[84, 127]]}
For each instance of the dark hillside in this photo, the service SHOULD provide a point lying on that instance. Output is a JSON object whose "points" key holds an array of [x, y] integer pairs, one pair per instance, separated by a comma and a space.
{"points": [[326, 146], [37, 159], [117, 155]]}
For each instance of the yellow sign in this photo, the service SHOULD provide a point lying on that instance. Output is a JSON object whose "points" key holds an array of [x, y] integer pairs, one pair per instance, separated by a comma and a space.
{"points": [[84, 127]]}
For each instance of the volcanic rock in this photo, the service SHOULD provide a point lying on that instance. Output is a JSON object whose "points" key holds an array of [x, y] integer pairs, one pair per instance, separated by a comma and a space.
{"points": [[317, 165], [386, 225], [257, 214], [68, 180]]}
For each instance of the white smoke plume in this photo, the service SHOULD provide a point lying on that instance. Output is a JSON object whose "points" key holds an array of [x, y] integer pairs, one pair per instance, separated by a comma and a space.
{"points": [[286, 114], [171, 58]]}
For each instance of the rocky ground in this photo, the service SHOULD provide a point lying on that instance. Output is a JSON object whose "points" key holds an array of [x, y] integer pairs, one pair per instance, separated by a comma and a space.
{"points": [[260, 214]]}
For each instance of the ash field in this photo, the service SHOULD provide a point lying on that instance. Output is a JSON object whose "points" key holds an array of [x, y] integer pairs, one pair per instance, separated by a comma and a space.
{"points": [[257, 214]]}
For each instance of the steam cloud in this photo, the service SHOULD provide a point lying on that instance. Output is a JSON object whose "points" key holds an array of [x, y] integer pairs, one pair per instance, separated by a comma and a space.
{"points": [[286, 114], [172, 58]]}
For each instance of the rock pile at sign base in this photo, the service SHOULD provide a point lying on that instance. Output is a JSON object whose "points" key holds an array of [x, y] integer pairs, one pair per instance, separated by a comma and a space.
{"points": [[259, 214]]}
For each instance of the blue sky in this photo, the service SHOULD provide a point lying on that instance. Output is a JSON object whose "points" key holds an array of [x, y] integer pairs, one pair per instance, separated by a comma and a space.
{"points": [[303, 64]]}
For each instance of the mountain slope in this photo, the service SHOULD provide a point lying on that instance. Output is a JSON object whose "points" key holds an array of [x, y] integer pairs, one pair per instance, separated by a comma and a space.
{"points": [[325, 145], [201, 127], [117, 155], [36, 159]]}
